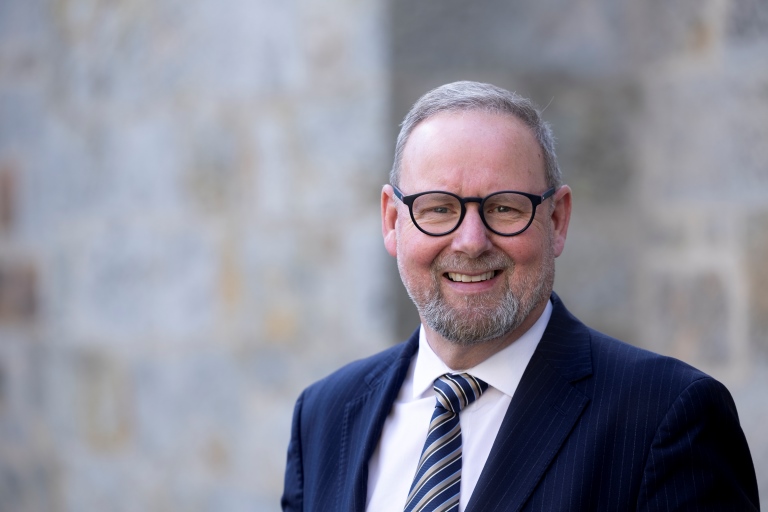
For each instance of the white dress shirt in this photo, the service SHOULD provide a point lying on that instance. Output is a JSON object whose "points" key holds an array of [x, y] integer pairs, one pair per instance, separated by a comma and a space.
{"points": [[393, 464]]}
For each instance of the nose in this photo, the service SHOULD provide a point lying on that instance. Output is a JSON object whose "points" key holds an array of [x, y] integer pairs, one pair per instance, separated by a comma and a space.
{"points": [[471, 237]]}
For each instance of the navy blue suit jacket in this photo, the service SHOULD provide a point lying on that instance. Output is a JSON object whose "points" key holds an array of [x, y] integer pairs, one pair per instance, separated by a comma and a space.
{"points": [[595, 424]]}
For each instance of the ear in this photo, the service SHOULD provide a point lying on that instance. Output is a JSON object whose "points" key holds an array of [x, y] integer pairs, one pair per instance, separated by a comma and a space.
{"points": [[389, 219], [561, 217]]}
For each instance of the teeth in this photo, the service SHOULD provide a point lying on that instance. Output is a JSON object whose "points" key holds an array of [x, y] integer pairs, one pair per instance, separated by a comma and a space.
{"points": [[453, 276]]}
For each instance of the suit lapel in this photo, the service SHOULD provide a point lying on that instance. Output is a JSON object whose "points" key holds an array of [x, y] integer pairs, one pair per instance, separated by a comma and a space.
{"points": [[362, 425], [542, 413]]}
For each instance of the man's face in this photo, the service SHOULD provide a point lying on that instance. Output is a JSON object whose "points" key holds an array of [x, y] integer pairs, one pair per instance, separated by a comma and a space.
{"points": [[475, 154]]}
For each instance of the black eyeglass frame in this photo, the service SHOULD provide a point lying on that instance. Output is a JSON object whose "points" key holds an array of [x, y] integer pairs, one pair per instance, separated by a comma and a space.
{"points": [[536, 200]]}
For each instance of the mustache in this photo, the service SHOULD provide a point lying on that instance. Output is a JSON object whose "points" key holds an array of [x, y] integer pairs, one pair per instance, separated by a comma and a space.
{"points": [[457, 262]]}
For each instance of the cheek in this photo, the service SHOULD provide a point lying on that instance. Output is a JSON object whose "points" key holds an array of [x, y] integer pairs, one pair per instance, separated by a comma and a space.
{"points": [[530, 253], [525, 252], [416, 248]]}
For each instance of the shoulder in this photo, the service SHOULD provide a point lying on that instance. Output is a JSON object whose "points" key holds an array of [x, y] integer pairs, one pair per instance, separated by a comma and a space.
{"points": [[584, 351], [614, 366], [680, 417], [627, 361], [658, 390]]}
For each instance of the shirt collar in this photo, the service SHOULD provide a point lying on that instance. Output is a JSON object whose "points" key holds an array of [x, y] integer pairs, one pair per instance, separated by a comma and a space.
{"points": [[503, 370]]}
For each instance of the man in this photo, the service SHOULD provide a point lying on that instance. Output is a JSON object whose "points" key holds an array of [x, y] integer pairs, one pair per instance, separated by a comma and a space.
{"points": [[502, 400]]}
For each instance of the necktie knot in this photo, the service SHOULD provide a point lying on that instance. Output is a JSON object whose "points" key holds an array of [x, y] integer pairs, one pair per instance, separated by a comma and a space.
{"points": [[454, 391]]}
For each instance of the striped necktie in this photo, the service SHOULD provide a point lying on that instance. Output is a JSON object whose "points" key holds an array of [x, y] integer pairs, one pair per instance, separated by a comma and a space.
{"points": [[436, 486]]}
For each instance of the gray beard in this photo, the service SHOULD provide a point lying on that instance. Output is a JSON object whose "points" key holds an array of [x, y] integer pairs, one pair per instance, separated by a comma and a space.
{"points": [[480, 320]]}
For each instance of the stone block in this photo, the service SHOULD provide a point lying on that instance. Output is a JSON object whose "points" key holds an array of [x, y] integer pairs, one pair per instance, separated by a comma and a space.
{"points": [[105, 397], [95, 483], [257, 47], [88, 402], [29, 475], [748, 20], [188, 410], [3, 386], [496, 35], [595, 148], [8, 197], [230, 50], [596, 273], [217, 163], [19, 295], [711, 155], [19, 383], [690, 317], [27, 482], [756, 268], [124, 281], [113, 162], [660, 30]]}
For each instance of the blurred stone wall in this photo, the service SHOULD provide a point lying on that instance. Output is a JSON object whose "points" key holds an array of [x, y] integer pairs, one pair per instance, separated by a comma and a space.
{"points": [[189, 235], [189, 219], [661, 114]]}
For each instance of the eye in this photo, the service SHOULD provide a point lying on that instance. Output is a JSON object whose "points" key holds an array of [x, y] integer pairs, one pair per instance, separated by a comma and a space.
{"points": [[502, 209], [436, 205]]}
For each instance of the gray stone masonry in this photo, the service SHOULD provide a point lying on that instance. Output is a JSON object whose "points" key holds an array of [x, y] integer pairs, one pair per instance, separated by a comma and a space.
{"points": [[189, 215], [189, 235]]}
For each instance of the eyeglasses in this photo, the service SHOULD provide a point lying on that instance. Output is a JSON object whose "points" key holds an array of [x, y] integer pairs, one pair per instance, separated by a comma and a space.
{"points": [[506, 213]]}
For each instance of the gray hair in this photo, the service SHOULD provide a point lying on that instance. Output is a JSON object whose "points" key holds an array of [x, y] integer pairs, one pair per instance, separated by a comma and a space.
{"points": [[464, 96]]}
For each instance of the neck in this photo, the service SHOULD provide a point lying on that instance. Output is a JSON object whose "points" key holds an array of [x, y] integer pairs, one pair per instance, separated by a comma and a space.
{"points": [[462, 357]]}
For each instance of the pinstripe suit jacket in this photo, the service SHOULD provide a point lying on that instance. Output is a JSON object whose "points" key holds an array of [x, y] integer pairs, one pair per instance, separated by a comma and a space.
{"points": [[595, 424]]}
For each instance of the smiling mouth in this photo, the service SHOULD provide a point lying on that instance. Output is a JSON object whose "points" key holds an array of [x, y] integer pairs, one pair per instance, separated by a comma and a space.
{"points": [[464, 278]]}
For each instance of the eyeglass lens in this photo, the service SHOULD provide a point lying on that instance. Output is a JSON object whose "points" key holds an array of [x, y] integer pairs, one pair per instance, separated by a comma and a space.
{"points": [[505, 212]]}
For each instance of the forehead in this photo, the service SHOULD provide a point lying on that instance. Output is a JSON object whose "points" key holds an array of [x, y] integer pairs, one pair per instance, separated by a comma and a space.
{"points": [[472, 150]]}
